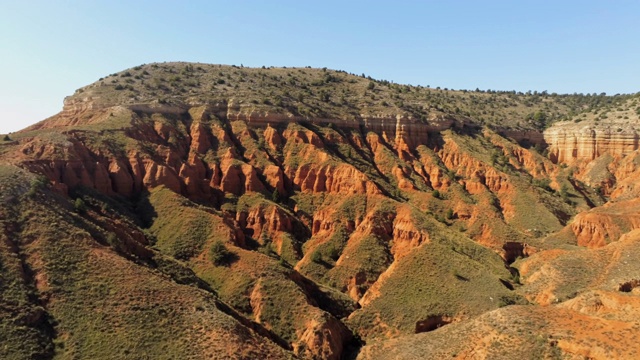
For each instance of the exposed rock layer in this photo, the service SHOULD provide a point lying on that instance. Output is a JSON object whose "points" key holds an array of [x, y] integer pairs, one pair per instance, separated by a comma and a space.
{"points": [[569, 142]]}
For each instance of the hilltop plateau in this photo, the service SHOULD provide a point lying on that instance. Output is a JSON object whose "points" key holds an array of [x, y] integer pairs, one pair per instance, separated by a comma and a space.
{"points": [[184, 210]]}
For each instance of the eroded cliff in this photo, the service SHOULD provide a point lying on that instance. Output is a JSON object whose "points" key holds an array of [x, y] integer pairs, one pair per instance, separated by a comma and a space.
{"points": [[312, 205]]}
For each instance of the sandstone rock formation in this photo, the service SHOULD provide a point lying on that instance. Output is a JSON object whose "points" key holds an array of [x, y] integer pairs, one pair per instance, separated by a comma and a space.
{"points": [[283, 214], [569, 142]]}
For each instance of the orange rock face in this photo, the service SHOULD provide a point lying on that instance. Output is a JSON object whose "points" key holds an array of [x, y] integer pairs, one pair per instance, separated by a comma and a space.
{"points": [[421, 233], [569, 142], [406, 236], [178, 159], [602, 225], [347, 205]]}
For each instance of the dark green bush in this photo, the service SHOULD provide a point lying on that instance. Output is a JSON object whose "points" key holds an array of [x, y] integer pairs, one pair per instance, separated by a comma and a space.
{"points": [[543, 184], [79, 206], [114, 242], [37, 184], [316, 257], [450, 214], [275, 196], [219, 254], [436, 194]]}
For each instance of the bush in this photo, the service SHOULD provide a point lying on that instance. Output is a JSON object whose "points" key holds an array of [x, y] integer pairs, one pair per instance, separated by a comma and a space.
{"points": [[6, 138], [436, 194], [275, 196], [114, 242], [515, 278], [564, 192], [37, 184], [40, 182], [219, 254], [334, 253], [324, 96], [79, 206], [450, 214], [316, 257], [543, 184], [599, 190], [506, 300], [183, 250]]}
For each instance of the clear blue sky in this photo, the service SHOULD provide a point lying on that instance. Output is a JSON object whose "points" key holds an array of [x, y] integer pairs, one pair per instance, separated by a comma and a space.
{"points": [[50, 48]]}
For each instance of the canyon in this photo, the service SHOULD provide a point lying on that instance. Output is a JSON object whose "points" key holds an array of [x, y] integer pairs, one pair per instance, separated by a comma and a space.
{"points": [[311, 213]]}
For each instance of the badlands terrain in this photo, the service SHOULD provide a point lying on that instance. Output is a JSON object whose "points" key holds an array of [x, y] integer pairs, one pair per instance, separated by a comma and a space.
{"points": [[194, 211]]}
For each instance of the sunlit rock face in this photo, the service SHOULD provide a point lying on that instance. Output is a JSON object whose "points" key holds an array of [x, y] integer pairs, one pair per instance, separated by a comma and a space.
{"points": [[570, 141]]}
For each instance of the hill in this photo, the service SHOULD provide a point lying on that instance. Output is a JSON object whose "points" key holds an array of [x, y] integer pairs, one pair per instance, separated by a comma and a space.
{"points": [[223, 211]]}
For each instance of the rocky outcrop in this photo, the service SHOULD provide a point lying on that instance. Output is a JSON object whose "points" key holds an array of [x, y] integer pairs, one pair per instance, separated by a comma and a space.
{"points": [[569, 142], [181, 138], [406, 236], [602, 225], [121, 178], [238, 178], [469, 167], [317, 334], [383, 205], [263, 223], [178, 165], [523, 137], [324, 338], [406, 133], [341, 179]]}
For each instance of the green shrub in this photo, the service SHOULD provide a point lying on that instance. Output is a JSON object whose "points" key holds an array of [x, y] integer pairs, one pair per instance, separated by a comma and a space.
{"points": [[515, 278], [543, 184], [79, 206], [219, 254], [450, 214], [316, 257], [275, 196], [183, 250], [40, 182], [37, 184], [334, 253], [114, 242], [564, 192]]}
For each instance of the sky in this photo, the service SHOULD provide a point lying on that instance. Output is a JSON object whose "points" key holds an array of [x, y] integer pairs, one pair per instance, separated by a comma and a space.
{"points": [[50, 48]]}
